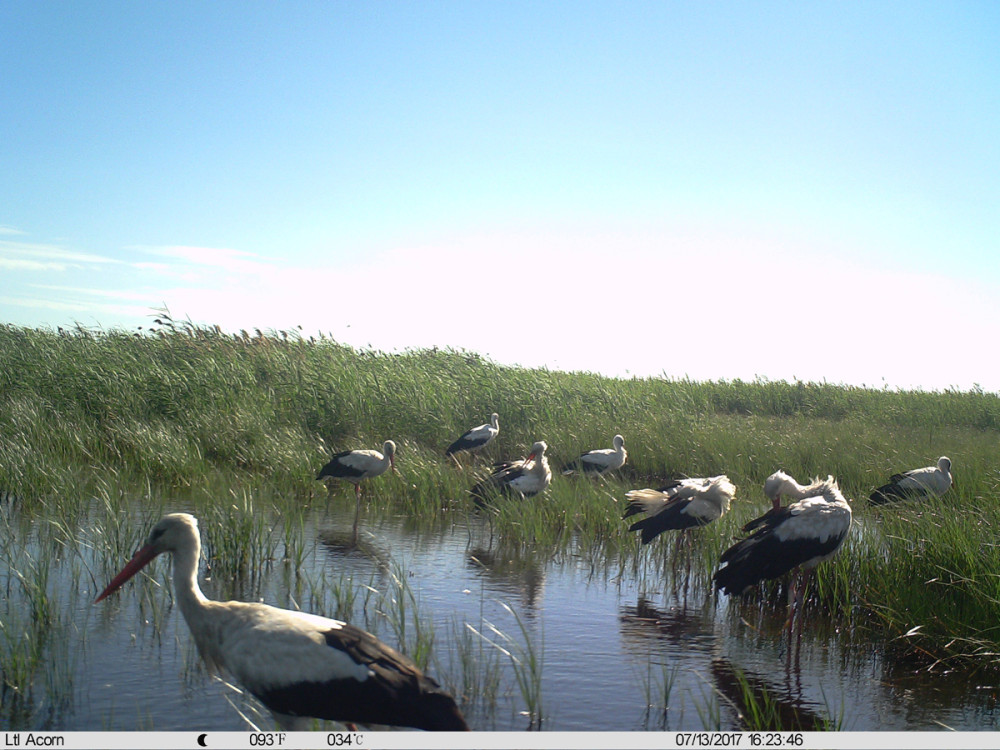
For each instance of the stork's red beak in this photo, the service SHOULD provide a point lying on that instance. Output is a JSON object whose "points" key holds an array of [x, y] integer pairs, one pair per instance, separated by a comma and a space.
{"points": [[140, 560]]}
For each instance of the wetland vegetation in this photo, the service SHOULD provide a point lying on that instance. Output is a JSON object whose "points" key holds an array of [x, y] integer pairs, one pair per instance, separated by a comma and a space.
{"points": [[103, 431]]}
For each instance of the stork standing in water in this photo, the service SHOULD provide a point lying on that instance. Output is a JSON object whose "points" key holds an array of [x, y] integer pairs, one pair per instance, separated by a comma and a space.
{"points": [[355, 466], [527, 476], [477, 438], [681, 504], [298, 665], [601, 461], [797, 536], [930, 481]]}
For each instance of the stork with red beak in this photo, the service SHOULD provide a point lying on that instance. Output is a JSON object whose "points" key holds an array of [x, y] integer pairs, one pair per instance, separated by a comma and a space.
{"points": [[299, 665], [527, 476]]}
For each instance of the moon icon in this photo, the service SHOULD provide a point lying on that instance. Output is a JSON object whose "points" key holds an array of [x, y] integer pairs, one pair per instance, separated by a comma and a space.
{"points": [[201, 740]]}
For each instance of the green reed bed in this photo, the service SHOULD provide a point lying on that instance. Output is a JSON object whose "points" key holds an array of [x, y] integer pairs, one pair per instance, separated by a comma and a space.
{"points": [[934, 582], [171, 403], [215, 416]]}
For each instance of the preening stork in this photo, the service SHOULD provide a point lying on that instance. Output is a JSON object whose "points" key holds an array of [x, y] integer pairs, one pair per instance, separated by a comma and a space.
{"points": [[681, 504], [476, 438], [526, 476], [356, 466], [781, 484], [797, 536], [298, 665], [601, 461], [930, 481]]}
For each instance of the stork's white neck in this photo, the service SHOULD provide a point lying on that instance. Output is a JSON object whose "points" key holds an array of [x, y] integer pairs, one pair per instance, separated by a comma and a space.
{"points": [[189, 595]]}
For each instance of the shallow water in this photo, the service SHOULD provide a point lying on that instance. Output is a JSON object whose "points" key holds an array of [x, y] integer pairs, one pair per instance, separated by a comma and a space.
{"points": [[622, 645]]}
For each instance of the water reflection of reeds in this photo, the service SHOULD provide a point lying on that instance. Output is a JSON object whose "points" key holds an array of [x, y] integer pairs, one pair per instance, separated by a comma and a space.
{"points": [[508, 571], [763, 704], [676, 627]]}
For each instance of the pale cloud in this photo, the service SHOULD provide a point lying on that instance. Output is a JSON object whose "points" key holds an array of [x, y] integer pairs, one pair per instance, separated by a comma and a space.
{"points": [[43, 303], [9, 248], [224, 259], [23, 261], [9, 230], [152, 267], [117, 294], [21, 264], [77, 308]]}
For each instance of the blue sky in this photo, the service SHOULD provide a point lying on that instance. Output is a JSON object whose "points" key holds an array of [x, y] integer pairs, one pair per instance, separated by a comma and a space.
{"points": [[717, 190]]}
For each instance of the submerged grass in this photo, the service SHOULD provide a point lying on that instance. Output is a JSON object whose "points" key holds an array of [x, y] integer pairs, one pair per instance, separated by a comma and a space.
{"points": [[526, 658], [213, 418], [36, 659]]}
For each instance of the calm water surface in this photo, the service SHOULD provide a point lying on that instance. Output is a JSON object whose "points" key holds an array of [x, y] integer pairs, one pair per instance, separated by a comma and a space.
{"points": [[622, 645]]}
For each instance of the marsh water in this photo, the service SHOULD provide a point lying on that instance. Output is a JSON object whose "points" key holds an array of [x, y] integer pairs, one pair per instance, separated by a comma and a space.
{"points": [[556, 640]]}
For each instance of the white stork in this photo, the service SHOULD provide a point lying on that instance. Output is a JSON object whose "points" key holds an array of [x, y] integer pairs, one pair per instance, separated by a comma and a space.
{"points": [[927, 482], [800, 535], [681, 504], [781, 484], [355, 466], [526, 476], [476, 438], [601, 461], [299, 665]]}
